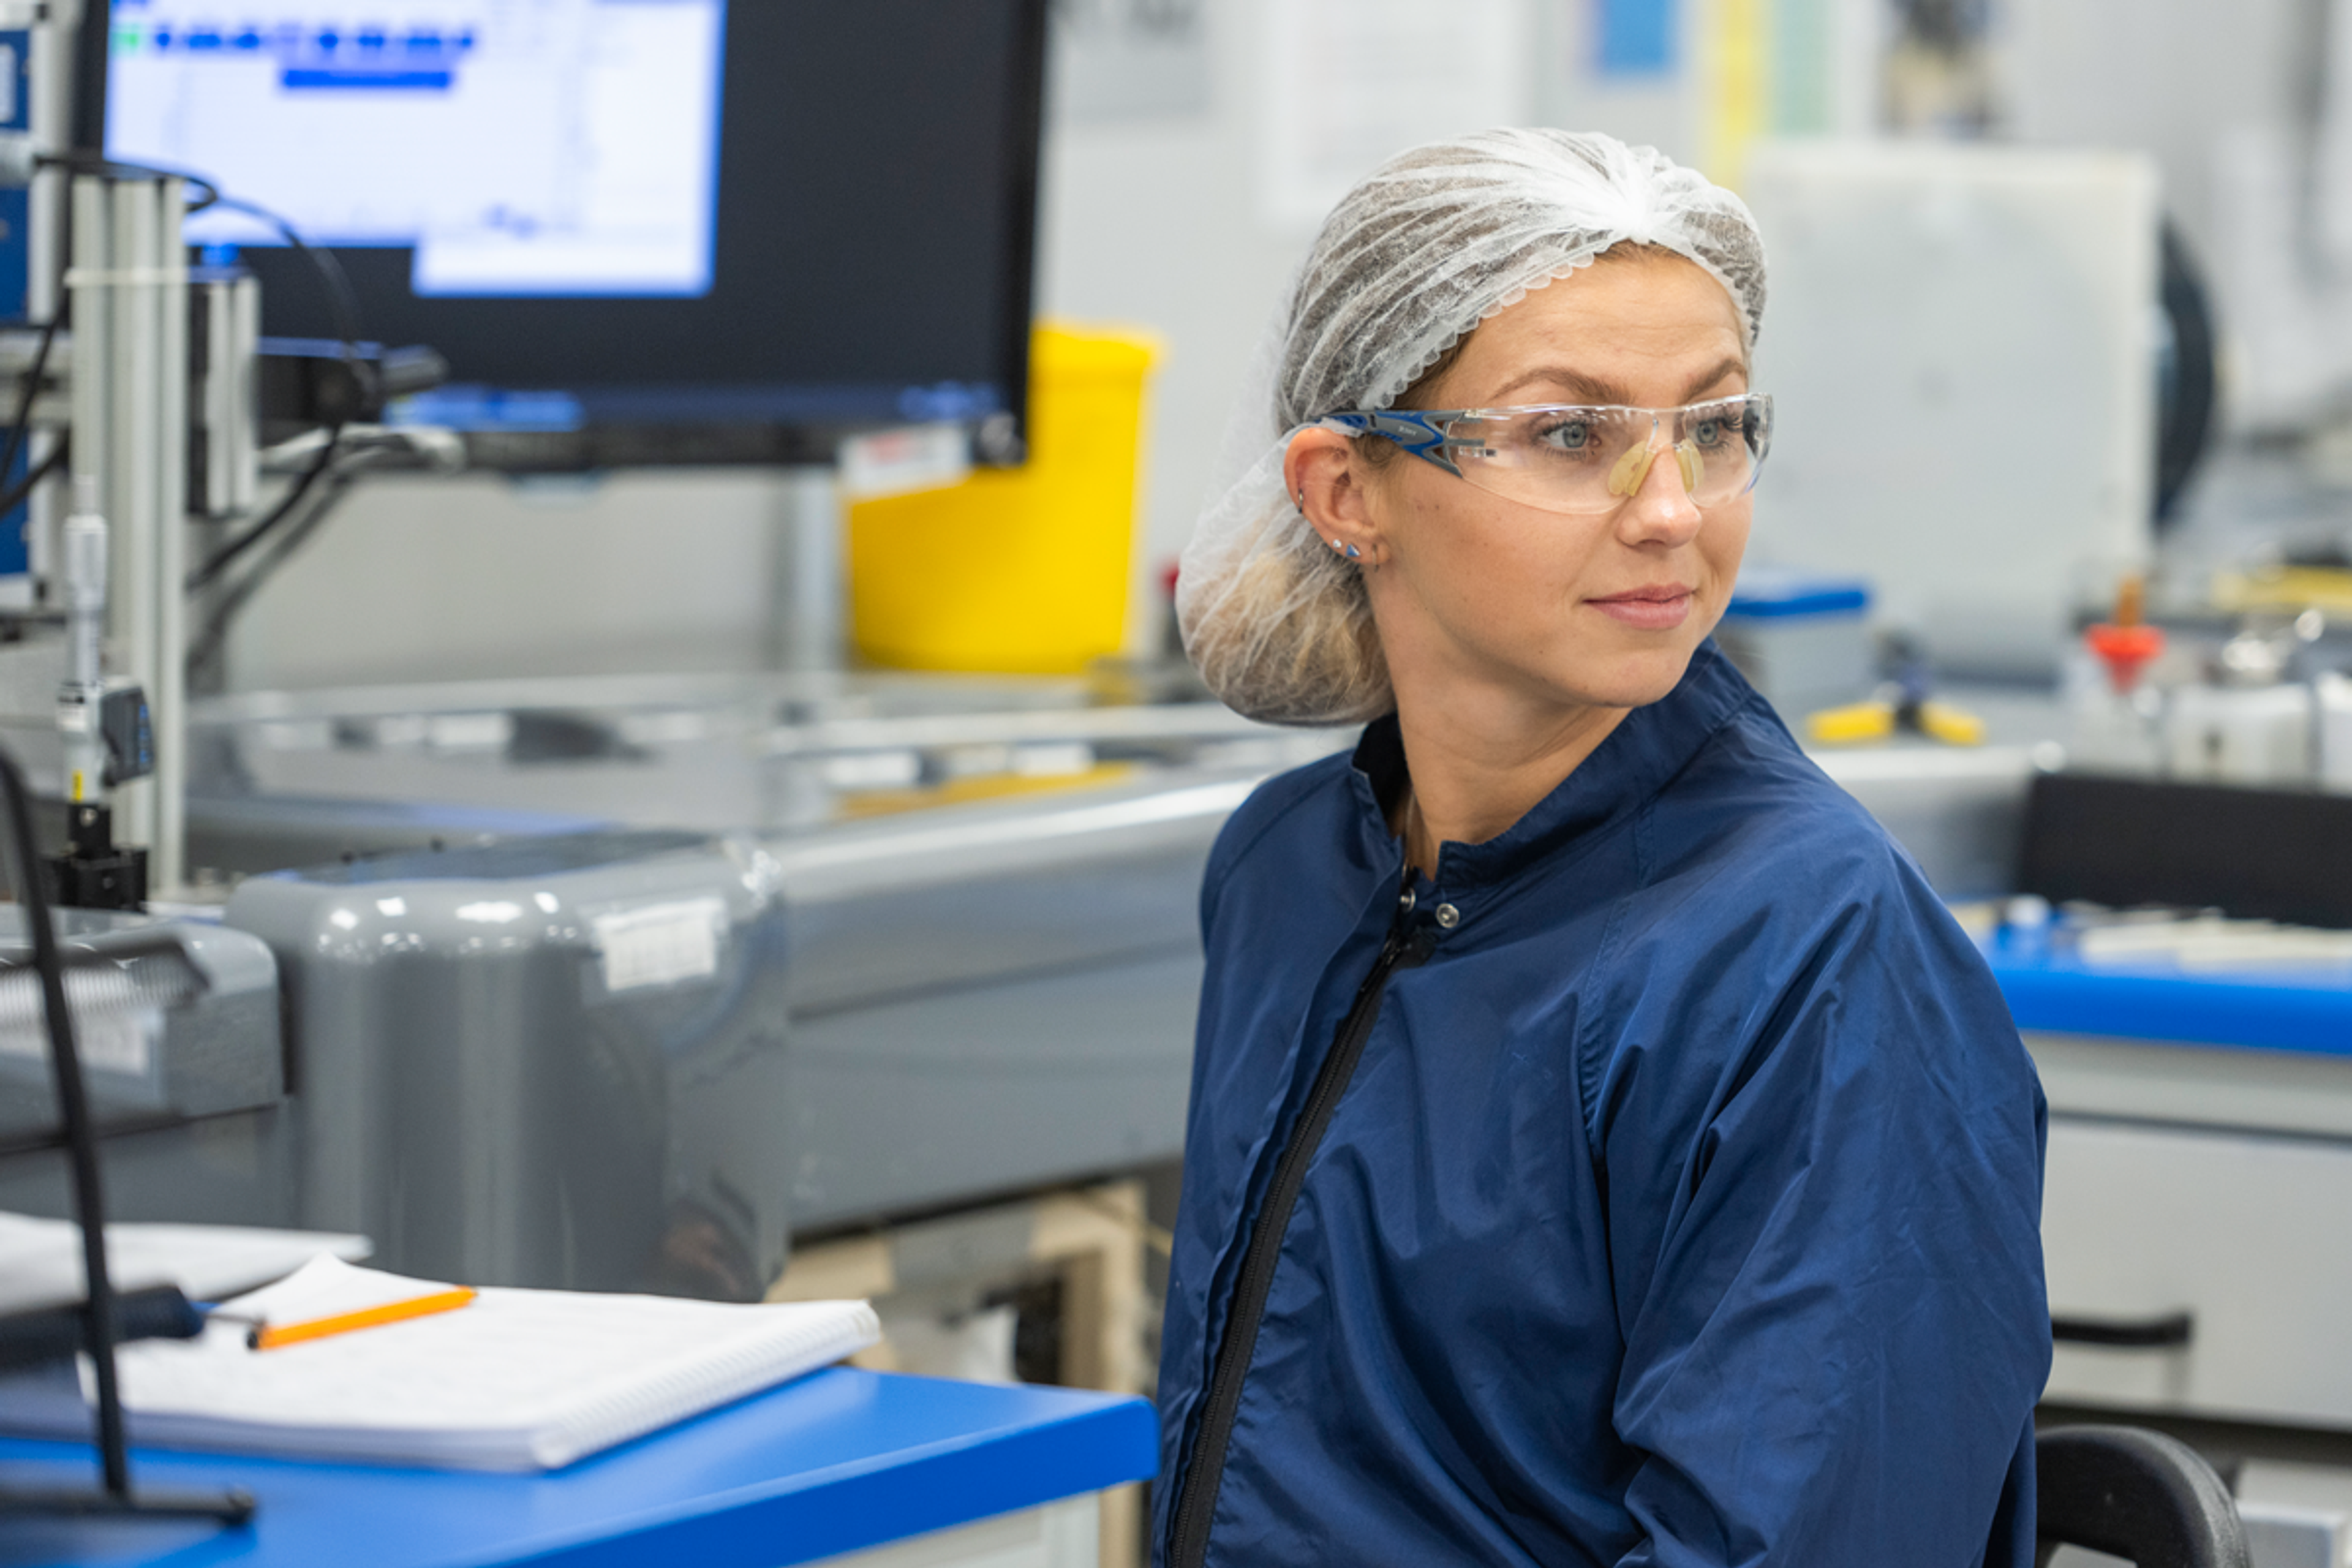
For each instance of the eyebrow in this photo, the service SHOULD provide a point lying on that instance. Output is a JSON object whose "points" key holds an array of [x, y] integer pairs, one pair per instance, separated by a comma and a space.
{"points": [[1598, 389]]}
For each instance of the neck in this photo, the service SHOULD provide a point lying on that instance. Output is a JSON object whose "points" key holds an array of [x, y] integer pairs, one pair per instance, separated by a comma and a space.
{"points": [[1480, 761]]}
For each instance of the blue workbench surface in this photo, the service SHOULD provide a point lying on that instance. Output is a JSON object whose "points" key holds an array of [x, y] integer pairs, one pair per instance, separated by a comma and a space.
{"points": [[2051, 989], [835, 1462]]}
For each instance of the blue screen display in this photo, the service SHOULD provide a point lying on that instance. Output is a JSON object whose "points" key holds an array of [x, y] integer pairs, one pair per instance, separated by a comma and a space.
{"points": [[519, 148]]}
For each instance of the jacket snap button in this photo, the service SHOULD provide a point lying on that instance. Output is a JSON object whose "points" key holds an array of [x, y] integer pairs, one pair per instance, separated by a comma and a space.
{"points": [[1404, 900], [1448, 916]]}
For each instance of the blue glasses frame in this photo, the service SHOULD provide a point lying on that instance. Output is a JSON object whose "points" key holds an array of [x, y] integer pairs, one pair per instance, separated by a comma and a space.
{"points": [[1412, 430]]}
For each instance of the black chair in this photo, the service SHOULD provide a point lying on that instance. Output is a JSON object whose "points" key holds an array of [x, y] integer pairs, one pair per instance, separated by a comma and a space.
{"points": [[2134, 1494]]}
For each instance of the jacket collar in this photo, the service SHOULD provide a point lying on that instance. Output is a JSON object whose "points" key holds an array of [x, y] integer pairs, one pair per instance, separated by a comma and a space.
{"points": [[1623, 774]]}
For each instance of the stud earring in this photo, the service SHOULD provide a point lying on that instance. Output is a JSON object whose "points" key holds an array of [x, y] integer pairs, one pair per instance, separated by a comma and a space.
{"points": [[1354, 553], [1302, 501], [1332, 542]]}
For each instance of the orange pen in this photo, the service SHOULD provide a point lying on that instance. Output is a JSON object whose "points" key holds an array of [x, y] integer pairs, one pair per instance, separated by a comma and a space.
{"points": [[271, 1336]]}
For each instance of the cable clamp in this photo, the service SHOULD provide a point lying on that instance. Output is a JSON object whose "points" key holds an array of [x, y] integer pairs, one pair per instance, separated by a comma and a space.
{"points": [[105, 277]]}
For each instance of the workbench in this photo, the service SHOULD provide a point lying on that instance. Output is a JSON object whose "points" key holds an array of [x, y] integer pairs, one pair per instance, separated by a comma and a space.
{"points": [[841, 1461], [2200, 1161]]}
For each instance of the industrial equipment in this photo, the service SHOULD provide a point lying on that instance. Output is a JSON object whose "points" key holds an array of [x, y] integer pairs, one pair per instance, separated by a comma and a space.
{"points": [[549, 1062], [191, 1096], [1962, 351], [918, 948]]}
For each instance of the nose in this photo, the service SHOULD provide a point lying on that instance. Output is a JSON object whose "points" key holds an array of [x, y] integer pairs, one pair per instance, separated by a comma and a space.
{"points": [[1661, 510]]}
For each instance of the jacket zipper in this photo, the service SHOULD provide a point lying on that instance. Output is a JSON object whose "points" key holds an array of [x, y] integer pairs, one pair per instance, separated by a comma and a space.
{"points": [[1196, 1499]]}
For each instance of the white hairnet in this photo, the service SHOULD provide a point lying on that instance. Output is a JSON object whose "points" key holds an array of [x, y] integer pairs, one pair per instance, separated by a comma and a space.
{"points": [[1430, 244]]}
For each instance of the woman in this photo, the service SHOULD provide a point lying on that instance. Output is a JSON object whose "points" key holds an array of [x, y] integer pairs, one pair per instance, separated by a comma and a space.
{"points": [[1604, 1149]]}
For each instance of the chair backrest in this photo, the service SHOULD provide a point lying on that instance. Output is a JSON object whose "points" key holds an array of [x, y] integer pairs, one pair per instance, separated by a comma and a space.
{"points": [[2134, 1494]]}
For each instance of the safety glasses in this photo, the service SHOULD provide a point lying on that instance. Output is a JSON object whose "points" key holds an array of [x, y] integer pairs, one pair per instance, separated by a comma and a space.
{"points": [[1580, 459]]}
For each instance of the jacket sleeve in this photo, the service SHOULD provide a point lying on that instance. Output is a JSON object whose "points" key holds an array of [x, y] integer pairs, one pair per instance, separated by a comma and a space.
{"points": [[1825, 1230]]}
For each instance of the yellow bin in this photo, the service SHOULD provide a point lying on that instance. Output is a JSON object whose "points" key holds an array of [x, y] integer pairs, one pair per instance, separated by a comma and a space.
{"points": [[1021, 569]]}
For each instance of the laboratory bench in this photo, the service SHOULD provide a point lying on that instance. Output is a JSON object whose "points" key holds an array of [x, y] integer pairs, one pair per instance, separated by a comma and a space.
{"points": [[862, 1470], [2200, 1164]]}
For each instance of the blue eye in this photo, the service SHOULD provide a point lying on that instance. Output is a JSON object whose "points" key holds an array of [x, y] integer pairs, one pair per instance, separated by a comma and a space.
{"points": [[1569, 435], [1719, 431]]}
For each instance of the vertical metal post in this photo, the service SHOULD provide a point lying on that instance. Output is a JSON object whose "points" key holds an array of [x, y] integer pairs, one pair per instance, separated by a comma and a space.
{"points": [[245, 348], [808, 610], [93, 369], [168, 696], [133, 488], [227, 389]]}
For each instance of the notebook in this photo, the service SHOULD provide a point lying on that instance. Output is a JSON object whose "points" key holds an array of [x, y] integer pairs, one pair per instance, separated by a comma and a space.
{"points": [[516, 1380], [41, 1259]]}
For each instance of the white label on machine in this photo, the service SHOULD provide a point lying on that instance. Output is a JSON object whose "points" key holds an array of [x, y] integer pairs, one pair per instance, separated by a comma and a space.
{"points": [[660, 944], [898, 462]]}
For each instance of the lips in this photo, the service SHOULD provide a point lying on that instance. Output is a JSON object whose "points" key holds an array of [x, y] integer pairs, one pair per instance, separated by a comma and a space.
{"points": [[1659, 607]]}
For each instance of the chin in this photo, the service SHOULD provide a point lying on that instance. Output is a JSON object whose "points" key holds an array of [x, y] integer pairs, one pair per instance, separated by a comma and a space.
{"points": [[1631, 680]]}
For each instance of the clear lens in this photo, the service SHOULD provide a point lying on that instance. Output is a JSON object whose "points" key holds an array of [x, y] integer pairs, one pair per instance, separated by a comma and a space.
{"points": [[1579, 460]]}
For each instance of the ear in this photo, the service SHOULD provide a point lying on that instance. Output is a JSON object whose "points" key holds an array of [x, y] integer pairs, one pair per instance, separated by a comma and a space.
{"points": [[1328, 482]]}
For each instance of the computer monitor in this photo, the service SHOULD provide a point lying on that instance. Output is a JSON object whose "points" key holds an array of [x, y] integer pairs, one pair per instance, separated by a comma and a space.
{"points": [[638, 230]]}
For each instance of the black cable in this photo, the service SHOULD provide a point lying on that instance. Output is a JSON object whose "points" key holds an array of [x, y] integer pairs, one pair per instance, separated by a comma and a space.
{"points": [[81, 1134], [16, 495], [24, 419], [115, 169], [220, 561], [212, 641], [287, 517], [342, 302], [342, 305]]}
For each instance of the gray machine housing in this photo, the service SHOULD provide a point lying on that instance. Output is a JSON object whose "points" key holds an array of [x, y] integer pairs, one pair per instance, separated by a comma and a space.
{"points": [[192, 1100], [550, 1062], [993, 999]]}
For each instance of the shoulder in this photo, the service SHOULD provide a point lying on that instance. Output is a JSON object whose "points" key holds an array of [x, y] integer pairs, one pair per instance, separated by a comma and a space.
{"points": [[1751, 808], [1783, 949], [1284, 813], [1762, 874]]}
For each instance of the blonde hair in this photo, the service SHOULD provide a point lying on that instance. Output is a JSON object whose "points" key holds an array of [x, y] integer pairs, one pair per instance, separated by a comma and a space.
{"points": [[1290, 640]]}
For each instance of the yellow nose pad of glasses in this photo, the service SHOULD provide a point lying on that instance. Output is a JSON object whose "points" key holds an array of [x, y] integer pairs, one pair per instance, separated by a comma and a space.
{"points": [[1626, 479], [1687, 456], [1632, 468]]}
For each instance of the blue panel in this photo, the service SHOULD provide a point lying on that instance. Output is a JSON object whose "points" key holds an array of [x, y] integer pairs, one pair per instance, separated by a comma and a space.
{"points": [[412, 81], [16, 229], [15, 213], [2282, 1010], [1637, 37], [1766, 593], [1828, 601], [835, 1462], [20, 101]]}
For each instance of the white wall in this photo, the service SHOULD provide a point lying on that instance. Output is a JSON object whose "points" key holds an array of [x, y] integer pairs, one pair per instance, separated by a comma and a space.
{"points": [[2169, 77], [427, 579], [1154, 220]]}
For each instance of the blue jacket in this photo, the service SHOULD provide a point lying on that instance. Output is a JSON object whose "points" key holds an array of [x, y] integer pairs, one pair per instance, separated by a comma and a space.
{"points": [[1681, 1207]]}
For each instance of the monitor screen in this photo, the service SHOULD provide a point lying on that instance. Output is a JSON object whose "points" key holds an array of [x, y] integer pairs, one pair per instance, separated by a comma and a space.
{"points": [[637, 229]]}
